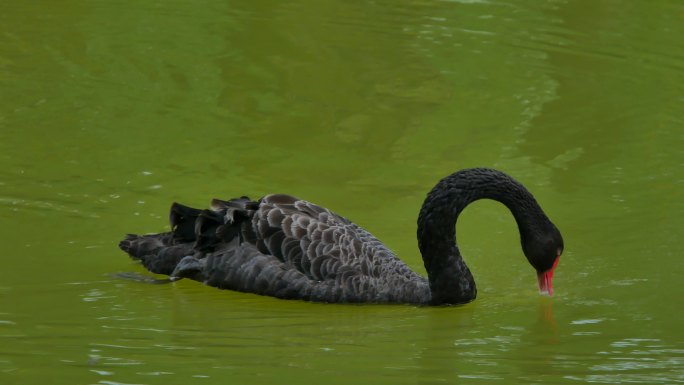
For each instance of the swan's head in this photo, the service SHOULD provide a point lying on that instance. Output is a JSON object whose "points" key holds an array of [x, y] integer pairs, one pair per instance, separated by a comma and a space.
{"points": [[543, 252]]}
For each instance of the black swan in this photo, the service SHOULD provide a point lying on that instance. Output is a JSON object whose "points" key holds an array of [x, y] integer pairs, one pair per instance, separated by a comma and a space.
{"points": [[289, 248]]}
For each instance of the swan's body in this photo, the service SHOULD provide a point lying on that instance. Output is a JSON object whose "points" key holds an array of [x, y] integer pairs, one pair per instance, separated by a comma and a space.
{"points": [[289, 248]]}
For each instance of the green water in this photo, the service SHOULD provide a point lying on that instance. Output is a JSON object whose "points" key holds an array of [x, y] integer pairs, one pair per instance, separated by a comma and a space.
{"points": [[110, 111]]}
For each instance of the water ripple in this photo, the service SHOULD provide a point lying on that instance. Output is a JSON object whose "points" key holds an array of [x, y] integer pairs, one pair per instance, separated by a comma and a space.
{"points": [[35, 204]]}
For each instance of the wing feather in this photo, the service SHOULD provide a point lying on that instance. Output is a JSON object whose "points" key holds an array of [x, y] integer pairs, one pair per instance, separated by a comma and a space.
{"points": [[315, 241], [280, 246]]}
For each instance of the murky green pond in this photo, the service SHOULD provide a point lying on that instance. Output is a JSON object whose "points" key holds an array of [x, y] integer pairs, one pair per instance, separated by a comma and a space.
{"points": [[110, 111]]}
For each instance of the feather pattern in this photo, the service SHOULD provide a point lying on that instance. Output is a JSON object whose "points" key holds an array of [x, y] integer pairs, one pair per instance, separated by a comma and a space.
{"points": [[279, 246], [290, 248]]}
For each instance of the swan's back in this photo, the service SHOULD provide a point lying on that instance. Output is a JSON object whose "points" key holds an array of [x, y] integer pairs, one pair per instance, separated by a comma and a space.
{"points": [[279, 246]]}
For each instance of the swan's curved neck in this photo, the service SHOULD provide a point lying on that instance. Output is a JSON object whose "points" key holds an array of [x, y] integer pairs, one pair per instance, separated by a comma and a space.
{"points": [[450, 279]]}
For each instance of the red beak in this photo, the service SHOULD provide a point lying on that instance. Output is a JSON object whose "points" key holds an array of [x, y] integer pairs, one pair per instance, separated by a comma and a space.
{"points": [[546, 279]]}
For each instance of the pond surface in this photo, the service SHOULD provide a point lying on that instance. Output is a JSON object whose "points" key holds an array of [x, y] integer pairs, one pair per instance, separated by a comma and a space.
{"points": [[110, 111]]}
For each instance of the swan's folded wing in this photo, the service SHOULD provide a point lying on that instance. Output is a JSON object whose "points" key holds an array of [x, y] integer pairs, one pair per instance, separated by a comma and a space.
{"points": [[315, 241]]}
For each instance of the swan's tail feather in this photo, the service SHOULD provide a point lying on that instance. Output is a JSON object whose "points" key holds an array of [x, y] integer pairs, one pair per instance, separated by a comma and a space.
{"points": [[235, 210], [238, 214], [156, 251], [206, 230], [193, 232], [183, 219], [126, 244], [239, 203], [139, 245]]}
